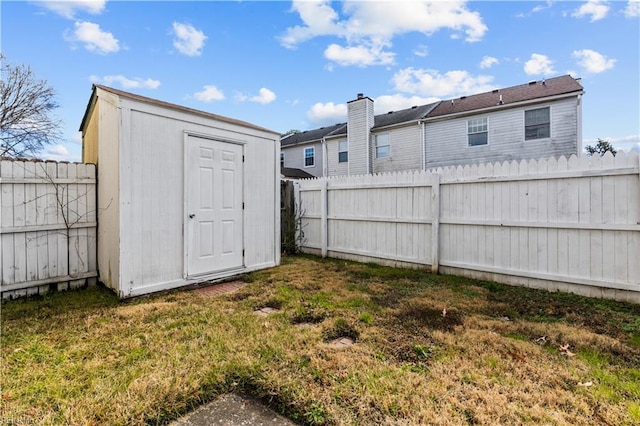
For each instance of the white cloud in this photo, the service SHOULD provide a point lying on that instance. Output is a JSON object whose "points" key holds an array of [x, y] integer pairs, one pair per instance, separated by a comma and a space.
{"points": [[633, 9], [421, 51], [188, 40], [592, 61], [209, 93], [76, 138], [70, 8], [370, 26], [328, 113], [386, 103], [93, 38], [540, 8], [488, 62], [319, 18], [125, 82], [594, 8], [432, 83], [358, 55], [266, 96], [59, 152], [539, 64], [536, 9]]}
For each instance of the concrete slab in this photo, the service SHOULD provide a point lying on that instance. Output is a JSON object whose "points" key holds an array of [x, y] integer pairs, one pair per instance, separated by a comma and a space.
{"points": [[342, 342], [233, 410], [265, 311]]}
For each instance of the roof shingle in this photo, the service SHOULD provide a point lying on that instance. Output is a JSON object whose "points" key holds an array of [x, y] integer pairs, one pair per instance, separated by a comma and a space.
{"points": [[524, 92]]}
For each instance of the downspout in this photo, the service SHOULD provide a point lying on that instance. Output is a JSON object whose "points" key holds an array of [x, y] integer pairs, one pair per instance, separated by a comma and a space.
{"points": [[423, 141], [579, 129], [325, 166]]}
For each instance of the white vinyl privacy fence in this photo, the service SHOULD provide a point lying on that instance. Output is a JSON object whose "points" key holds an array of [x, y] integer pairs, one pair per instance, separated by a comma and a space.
{"points": [[47, 226], [569, 225]]}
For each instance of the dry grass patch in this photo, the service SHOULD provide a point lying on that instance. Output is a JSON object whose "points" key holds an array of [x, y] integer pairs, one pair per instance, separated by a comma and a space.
{"points": [[428, 350]]}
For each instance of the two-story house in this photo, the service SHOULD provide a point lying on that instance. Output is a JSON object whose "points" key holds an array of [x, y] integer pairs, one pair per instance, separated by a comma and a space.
{"points": [[532, 120]]}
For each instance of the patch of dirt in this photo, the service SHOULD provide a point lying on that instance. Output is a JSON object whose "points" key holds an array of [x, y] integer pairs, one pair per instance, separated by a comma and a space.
{"points": [[408, 348], [341, 328], [417, 317]]}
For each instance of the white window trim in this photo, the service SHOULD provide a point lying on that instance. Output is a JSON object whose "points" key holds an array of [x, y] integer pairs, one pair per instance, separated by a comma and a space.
{"points": [[304, 156], [524, 123], [346, 141], [283, 156], [375, 144], [466, 124]]}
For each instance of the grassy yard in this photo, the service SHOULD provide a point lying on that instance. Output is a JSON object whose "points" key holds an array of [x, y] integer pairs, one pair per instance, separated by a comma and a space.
{"points": [[429, 350]]}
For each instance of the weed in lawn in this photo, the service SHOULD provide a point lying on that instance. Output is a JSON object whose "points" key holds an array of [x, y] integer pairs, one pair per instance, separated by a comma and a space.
{"points": [[316, 415], [423, 316], [304, 315], [366, 318]]}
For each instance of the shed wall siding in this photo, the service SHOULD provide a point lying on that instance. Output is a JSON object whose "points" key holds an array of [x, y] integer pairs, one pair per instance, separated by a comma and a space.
{"points": [[90, 137], [294, 158], [152, 245], [108, 122], [405, 150], [447, 144]]}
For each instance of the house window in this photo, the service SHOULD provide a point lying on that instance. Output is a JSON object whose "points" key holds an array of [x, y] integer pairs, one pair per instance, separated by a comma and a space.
{"points": [[537, 124], [309, 157], [281, 159], [477, 131], [382, 145], [343, 151]]}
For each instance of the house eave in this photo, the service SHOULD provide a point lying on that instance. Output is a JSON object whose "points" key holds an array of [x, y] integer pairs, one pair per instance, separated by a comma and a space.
{"points": [[89, 109]]}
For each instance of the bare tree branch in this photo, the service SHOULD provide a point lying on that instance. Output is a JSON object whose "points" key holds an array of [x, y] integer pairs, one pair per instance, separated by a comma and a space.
{"points": [[27, 124]]}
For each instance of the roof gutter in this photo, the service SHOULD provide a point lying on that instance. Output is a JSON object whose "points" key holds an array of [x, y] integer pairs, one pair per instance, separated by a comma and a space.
{"points": [[393, 126]]}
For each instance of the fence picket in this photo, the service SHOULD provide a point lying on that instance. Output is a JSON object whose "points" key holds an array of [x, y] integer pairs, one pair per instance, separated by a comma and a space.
{"points": [[33, 232]]}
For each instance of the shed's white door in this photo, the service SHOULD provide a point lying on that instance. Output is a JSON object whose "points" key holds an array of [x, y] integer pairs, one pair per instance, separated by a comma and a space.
{"points": [[214, 206]]}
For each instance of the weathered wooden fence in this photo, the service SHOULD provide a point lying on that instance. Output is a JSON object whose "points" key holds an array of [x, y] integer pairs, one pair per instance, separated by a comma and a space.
{"points": [[47, 226], [570, 225]]}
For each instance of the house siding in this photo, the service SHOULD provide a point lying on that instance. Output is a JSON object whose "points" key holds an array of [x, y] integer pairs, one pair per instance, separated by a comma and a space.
{"points": [[334, 167], [446, 141], [360, 121], [405, 150], [294, 157]]}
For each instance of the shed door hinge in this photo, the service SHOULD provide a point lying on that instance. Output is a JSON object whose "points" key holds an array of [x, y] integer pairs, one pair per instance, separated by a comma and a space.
{"points": [[243, 158], [243, 206]]}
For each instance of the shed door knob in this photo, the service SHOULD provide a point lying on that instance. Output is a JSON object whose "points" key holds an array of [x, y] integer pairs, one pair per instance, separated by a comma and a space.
{"points": [[191, 216]]}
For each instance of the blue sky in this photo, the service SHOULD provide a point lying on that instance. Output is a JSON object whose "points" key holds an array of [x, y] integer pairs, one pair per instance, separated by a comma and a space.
{"points": [[293, 65]]}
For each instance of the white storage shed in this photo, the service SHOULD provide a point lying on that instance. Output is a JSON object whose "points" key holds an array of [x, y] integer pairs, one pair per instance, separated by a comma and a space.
{"points": [[184, 196]]}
